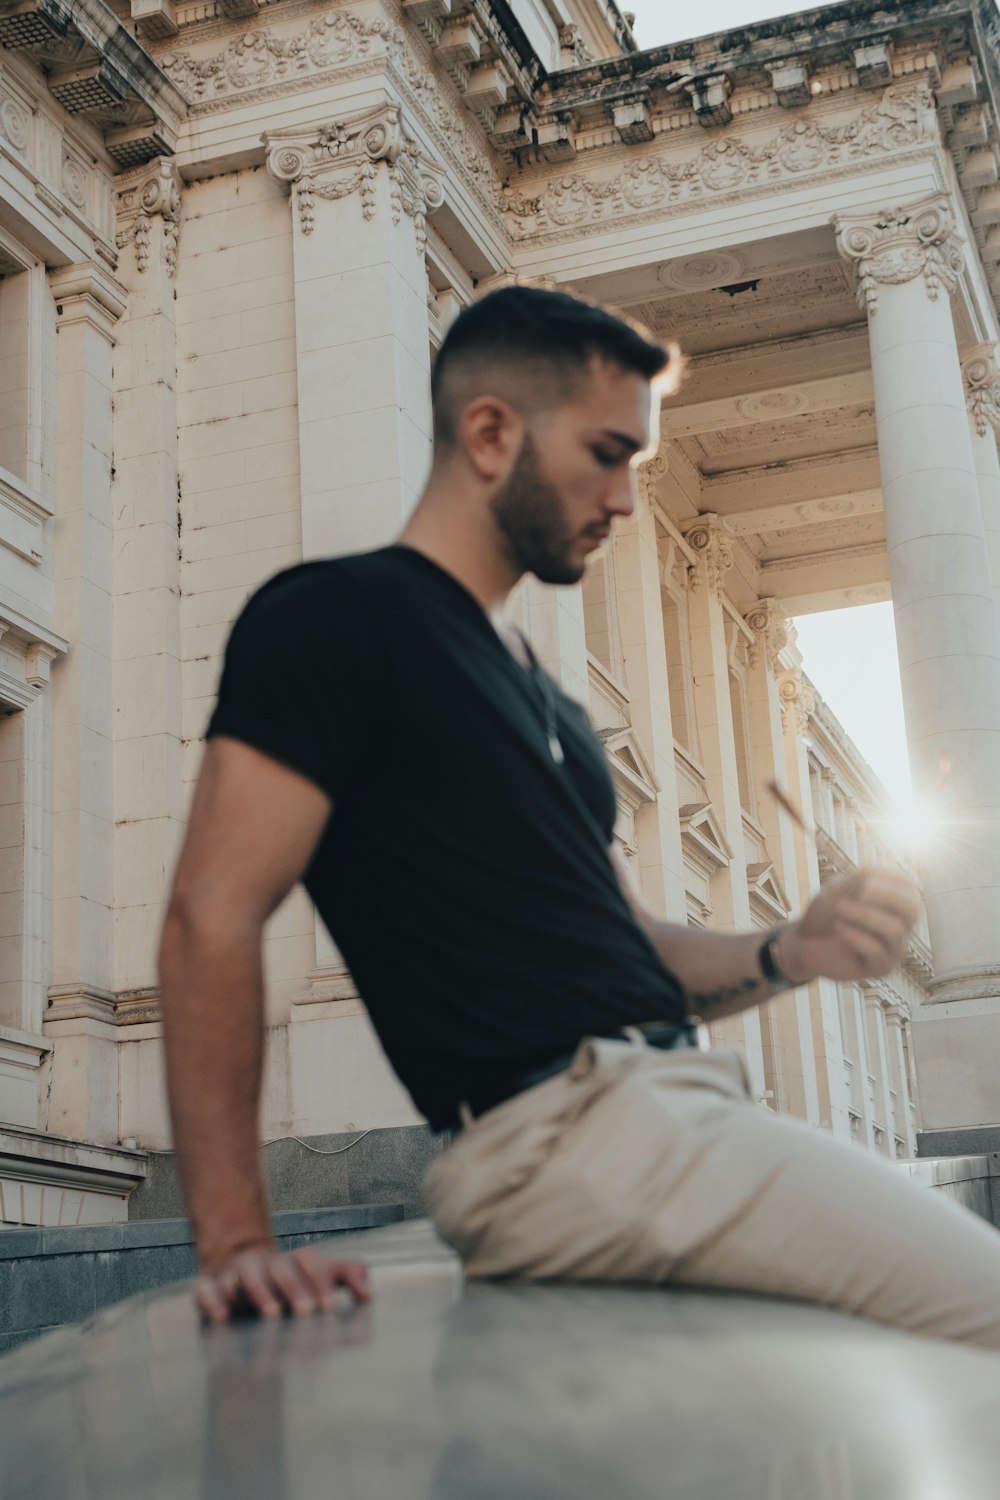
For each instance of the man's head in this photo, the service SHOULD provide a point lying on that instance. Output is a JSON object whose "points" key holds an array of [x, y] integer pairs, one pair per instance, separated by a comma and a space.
{"points": [[547, 400]]}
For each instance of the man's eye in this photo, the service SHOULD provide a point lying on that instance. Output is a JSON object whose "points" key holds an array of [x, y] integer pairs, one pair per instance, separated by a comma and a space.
{"points": [[608, 460]]}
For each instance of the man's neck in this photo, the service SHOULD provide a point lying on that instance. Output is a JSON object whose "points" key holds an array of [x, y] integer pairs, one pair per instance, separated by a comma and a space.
{"points": [[465, 547]]}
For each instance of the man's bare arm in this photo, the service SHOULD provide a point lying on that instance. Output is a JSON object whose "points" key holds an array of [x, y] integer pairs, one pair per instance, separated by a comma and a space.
{"points": [[856, 928], [253, 827]]}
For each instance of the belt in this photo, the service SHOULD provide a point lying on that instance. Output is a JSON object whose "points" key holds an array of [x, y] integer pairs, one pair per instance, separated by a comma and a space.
{"points": [[663, 1035]]}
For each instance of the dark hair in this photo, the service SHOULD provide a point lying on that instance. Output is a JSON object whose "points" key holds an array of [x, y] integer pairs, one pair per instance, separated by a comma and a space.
{"points": [[546, 339]]}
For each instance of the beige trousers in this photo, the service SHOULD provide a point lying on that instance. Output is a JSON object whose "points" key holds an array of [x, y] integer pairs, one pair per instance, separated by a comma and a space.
{"points": [[641, 1165]]}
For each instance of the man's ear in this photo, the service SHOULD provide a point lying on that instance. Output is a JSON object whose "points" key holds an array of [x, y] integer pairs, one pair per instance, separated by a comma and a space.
{"points": [[491, 434]]}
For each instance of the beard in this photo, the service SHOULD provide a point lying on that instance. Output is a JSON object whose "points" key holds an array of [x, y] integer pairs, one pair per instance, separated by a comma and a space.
{"points": [[531, 520]]}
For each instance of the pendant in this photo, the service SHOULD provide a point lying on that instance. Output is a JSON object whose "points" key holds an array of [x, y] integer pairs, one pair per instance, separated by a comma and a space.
{"points": [[555, 746]]}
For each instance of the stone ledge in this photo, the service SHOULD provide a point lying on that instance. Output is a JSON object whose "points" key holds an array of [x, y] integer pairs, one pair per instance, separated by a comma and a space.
{"points": [[18, 1244]]}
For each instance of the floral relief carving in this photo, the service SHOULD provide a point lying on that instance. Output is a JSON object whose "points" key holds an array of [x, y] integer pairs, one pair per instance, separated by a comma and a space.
{"points": [[770, 632], [899, 245], [261, 60], [798, 701], [982, 388], [341, 159], [152, 191], [709, 540], [260, 57], [904, 116], [14, 124]]}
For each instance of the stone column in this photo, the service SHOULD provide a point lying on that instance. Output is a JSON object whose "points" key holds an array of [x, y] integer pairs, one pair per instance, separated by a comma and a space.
{"points": [[149, 778], [907, 263], [708, 540], [89, 302], [790, 1011], [360, 195], [982, 393], [895, 1019]]}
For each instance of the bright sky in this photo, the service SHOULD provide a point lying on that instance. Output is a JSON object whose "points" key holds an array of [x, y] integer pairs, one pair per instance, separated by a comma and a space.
{"points": [[661, 21], [849, 654]]}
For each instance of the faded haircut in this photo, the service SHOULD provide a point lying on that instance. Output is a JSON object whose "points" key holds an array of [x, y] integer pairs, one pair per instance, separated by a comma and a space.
{"points": [[534, 349]]}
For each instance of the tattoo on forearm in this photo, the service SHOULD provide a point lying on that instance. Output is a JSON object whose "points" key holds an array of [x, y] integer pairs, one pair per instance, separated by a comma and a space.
{"points": [[703, 1001]]}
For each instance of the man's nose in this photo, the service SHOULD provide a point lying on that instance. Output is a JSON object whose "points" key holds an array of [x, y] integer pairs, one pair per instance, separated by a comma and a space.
{"points": [[623, 495]]}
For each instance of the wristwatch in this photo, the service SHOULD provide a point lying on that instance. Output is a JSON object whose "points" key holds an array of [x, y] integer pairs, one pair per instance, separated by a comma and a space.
{"points": [[767, 957]]}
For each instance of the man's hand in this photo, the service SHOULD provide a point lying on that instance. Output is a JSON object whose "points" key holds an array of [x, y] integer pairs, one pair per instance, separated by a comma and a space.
{"points": [[264, 1281], [856, 928]]}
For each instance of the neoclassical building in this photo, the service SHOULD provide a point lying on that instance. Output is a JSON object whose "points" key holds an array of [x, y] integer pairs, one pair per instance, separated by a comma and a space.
{"points": [[232, 235]]}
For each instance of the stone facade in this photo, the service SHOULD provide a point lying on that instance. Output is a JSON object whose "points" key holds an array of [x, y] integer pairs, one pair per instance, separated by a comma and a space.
{"points": [[231, 237]]}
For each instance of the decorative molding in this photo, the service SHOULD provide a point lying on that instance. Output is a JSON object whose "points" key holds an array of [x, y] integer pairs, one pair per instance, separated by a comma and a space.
{"points": [[903, 118], [770, 630], [798, 700], [144, 194], [337, 160], [261, 57], [74, 1002], [898, 245], [708, 539], [982, 387], [86, 292]]}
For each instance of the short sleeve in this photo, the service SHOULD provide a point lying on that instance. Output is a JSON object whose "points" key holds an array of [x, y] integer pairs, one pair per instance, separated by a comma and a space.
{"points": [[304, 674]]}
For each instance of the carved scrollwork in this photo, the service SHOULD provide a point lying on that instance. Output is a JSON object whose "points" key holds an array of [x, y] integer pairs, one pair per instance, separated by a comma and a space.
{"points": [[798, 701], [339, 159], [899, 245], [904, 116], [261, 57], [708, 538], [770, 631], [149, 192], [982, 388]]}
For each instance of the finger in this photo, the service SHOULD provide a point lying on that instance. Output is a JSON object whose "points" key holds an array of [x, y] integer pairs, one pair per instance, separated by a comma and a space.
{"points": [[313, 1268], [354, 1276], [255, 1285], [292, 1287], [213, 1299], [893, 893], [879, 921]]}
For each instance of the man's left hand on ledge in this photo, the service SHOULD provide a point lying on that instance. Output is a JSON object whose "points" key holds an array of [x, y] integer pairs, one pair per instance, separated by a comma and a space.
{"points": [[266, 1282]]}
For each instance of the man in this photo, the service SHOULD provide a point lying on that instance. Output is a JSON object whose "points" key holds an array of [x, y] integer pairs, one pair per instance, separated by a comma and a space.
{"points": [[384, 735]]}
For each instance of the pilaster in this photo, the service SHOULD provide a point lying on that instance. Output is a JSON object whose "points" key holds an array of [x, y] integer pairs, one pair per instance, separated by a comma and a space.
{"points": [[148, 772], [713, 548], [89, 303], [790, 1011], [360, 194], [982, 394]]}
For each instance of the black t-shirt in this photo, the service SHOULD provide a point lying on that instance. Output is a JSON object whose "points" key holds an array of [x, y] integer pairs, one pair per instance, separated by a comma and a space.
{"points": [[464, 873]]}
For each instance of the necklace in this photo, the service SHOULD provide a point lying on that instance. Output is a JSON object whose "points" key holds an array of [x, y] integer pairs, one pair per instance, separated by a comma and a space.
{"points": [[544, 687]]}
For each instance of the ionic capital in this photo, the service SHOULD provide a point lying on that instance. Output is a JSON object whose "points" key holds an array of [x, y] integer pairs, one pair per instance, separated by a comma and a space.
{"points": [[341, 158], [982, 388], [897, 246], [769, 625], [709, 540], [150, 191], [797, 700]]}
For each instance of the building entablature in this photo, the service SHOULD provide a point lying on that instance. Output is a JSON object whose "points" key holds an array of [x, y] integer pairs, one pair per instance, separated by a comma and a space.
{"points": [[97, 71]]}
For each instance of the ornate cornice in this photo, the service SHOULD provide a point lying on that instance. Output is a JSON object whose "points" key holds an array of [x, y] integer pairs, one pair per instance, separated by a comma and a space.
{"points": [[770, 631], [902, 119], [339, 159], [901, 244], [262, 64], [150, 192], [708, 539], [982, 388]]}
